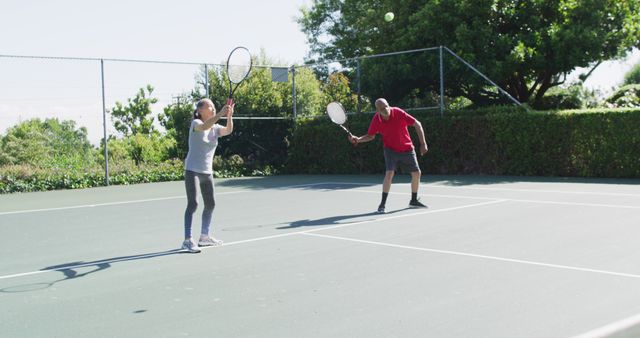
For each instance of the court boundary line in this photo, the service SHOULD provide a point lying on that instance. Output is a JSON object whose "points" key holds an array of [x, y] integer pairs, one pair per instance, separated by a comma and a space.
{"points": [[88, 205], [611, 328], [487, 257], [509, 189], [542, 191], [513, 200], [506, 199], [257, 239], [136, 201]]}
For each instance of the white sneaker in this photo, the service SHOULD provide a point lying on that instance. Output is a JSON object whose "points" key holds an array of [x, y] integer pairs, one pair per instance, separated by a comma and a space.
{"points": [[205, 240], [190, 246]]}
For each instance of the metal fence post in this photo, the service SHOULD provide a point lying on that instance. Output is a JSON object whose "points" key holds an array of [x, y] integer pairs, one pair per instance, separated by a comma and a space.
{"points": [[441, 84], [206, 80], [293, 91], [104, 127], [359, 109]]}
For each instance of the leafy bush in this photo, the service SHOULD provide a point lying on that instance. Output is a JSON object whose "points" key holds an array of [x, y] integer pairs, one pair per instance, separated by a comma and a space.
{"points": [[572, 97], [633, 76], [176, 119], [152, 148], [139, 148], [260, 143], [232, 167], [26, 178], [48, 144], [626, 97]]}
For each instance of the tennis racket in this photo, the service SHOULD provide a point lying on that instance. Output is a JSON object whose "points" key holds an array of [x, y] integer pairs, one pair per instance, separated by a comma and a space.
{"points": [[338, 115], [239, 66]]}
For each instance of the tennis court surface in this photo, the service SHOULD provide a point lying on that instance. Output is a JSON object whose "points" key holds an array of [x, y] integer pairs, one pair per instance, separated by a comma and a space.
{"points": [[306, 256]]}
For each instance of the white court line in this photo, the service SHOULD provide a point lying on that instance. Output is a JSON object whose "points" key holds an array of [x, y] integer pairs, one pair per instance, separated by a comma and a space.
{"points": [[88, 205], [612, 328], [576, 203], [505, 199], [348, 183], [510, 189], [542, 191], [382, 218], [138, 201], [495, 258], [511, 200], [106, 204]]}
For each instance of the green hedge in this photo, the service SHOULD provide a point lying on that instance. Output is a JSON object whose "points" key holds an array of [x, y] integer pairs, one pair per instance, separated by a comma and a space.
{"points": [[504, 141], [260, 143], [25, 178], [498, 141]]}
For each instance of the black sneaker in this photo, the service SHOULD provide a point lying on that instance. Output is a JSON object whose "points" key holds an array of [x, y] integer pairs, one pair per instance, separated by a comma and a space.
{"points": [[416, 204], [381, 209]]}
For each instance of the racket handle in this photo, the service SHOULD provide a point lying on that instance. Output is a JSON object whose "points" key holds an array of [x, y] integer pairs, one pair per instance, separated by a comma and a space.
{"points": [[355, 144], [229, 101]]}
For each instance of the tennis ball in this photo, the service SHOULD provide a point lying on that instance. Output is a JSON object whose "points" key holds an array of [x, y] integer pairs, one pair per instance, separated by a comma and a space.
{"points": [[388, 17]]}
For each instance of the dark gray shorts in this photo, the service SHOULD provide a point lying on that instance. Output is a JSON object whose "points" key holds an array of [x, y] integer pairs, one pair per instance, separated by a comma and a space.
{"points": [[407, 160]]}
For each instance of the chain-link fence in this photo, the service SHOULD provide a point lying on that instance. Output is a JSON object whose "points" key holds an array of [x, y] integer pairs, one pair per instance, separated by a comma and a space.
{"points": [[84, 96], [430, 79]]}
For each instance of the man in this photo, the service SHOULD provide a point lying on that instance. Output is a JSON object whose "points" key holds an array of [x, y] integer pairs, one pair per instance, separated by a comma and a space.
{"points": [[391, 123]]}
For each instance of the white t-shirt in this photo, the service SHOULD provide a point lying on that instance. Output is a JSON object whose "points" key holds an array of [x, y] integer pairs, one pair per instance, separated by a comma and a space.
{"points": [[202, 147]]}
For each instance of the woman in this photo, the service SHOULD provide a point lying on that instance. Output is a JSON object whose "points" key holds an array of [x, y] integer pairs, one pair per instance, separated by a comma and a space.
{"points": [[203, 139]]}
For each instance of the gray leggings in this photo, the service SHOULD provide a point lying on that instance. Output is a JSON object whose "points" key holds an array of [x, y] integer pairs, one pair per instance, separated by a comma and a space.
{"points": [[191, 182]]}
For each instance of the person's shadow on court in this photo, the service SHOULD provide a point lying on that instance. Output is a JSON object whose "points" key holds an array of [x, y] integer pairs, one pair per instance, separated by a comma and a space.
{"points": [[335, 220], [69, 270]]}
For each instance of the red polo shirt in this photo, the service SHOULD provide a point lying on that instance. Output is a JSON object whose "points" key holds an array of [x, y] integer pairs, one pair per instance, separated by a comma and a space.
{"points": [[395, 135]]}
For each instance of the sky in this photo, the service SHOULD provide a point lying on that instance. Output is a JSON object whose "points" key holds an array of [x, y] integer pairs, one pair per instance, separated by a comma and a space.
{"points": [[187, 31]]}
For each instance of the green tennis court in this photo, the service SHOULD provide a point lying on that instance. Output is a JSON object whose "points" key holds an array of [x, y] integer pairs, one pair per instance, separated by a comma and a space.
{"points": [[306, 256]]}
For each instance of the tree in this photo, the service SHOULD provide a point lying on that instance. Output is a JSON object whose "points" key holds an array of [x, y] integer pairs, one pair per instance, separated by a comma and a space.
{"points": [[526, 47], [176, 119], [264, 141], [309, 95], [135, 117], [337, 89], [50, 143], [258, 95], [633, 76]]}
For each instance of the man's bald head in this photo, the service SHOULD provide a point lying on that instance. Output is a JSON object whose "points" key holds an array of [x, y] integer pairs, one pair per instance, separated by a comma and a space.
{"points": [[382, 107], [381, 104]]}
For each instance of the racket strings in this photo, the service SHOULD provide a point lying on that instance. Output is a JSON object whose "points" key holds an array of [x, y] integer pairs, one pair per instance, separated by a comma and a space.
{"points": [[237, 73], [239, 65], [336, 113]]}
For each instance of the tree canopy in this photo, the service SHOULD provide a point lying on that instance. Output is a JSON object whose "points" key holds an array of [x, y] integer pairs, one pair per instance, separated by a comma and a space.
{"points": [[48, 143], [526, 47], [136, 117], [633, 75]]}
